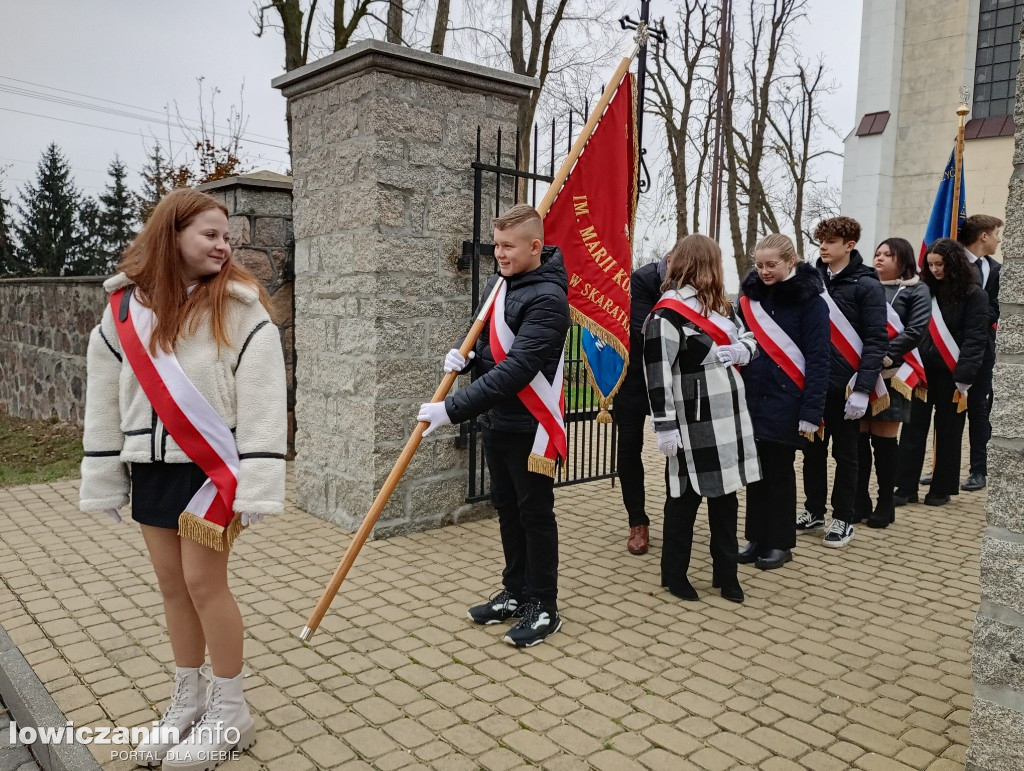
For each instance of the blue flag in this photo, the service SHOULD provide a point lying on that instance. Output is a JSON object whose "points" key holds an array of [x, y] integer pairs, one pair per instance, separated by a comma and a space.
{"points": [[942, 210]]}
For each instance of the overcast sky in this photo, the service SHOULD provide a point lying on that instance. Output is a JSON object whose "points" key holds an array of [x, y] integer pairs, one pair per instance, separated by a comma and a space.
{"points": [[144, 56]]}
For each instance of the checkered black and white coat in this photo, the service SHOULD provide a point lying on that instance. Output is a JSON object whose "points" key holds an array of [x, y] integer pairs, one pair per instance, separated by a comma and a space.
{"points": [[691, 390]]}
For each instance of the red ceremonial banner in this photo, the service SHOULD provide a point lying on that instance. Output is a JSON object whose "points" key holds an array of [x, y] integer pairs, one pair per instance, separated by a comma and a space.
{"points": [[592, 222]]}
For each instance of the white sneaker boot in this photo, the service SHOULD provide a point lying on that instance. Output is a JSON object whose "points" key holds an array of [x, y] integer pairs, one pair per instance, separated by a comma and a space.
{"points": [[226, 727], [186, 707]]}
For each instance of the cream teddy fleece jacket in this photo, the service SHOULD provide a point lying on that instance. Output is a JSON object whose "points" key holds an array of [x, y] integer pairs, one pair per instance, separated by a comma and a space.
{"points": [[244, 382]]}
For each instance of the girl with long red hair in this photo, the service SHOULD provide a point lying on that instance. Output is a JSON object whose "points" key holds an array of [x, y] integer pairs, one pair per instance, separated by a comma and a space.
{"points": [[186, 417]]}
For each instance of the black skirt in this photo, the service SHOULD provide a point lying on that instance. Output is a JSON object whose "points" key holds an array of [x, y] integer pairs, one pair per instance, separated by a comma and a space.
{"points": [[898, 410], [161, 491]]}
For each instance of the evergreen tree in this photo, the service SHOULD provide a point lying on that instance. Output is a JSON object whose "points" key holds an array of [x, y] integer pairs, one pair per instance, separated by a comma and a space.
{"points": [[156, 183], [117, 217], [87, 257], [9, 263], [49, 229]]}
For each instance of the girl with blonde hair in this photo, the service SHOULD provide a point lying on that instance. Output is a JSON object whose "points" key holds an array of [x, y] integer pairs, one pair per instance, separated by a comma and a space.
{"points": [[186, 417]]}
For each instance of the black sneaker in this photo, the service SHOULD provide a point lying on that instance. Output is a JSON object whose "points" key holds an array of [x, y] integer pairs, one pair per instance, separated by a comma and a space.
{"points": [[501, 607], [806, 522], [537, 623], [839, 534]]}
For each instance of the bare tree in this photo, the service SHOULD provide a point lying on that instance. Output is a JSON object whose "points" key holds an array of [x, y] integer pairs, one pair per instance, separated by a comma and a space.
{"points": [[440, 26], [683, 91], [746, 119], [296, 34], [796, 122], [396, 8]]}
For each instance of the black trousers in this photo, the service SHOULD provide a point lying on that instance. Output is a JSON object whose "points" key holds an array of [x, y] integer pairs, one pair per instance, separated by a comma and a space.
{"points": [[979, 410], [844, 435], [630, 463], [949, 432], [526, 517], [771, 501], [677, 540]]}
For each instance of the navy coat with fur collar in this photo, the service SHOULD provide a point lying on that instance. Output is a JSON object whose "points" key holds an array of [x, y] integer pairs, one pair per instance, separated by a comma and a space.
{"points": [[775, 404]]}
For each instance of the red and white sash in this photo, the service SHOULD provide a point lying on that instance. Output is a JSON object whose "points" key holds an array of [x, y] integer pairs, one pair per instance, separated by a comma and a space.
{"points": [[774, 341], [720, 329], [195, 425], [846, 340], [943, 338], [910, 377], [544, 400], [947, 348]]}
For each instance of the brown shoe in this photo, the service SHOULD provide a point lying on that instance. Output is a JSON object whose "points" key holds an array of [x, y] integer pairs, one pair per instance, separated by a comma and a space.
{"points": [[639, 539]]}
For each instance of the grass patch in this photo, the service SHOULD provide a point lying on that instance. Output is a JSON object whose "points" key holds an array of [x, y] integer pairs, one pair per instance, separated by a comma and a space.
{"points": [[38, 450]]}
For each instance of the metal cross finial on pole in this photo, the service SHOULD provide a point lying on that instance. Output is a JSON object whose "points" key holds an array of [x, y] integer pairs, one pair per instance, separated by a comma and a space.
{"points": [[644, 31]]}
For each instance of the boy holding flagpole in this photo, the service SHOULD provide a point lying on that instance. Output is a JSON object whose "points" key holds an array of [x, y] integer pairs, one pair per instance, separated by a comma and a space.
{"points": [[518, 395]]}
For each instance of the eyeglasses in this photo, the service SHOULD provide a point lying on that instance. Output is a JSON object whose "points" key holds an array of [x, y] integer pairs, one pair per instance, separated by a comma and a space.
{"points": [[763, 266]]}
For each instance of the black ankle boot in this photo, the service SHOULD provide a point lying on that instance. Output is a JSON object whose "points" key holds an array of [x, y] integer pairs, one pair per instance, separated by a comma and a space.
{"points": [[886, 460], [683, 590]]}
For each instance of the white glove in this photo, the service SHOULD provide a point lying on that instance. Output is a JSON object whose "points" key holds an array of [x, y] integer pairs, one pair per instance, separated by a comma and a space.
{"points": [[962, 388], [736, 353], [856, 405], [807, 428], [435, 414], [112, 513], [669, 442], [251, 519], [455, 362]]}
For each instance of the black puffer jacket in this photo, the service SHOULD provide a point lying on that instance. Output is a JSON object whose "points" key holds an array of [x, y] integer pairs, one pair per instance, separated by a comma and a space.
{"points": [[645, 291], [968, 322], [859, 295], [775, 403], [537, 312], [912, 301]]}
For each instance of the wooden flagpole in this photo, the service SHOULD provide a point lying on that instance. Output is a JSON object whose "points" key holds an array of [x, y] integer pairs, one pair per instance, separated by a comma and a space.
{"points": [[359, 539], [958, 164]]}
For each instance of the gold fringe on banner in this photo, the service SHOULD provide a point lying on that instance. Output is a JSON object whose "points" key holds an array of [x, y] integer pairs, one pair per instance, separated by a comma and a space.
{"points": [[538, 464], [210, 534], [603, 416]]}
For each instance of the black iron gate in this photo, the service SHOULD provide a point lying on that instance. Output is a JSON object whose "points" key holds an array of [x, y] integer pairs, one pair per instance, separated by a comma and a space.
{"points": [[591, 445]]}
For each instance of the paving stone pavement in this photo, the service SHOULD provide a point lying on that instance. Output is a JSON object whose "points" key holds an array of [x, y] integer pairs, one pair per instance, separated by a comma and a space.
{"points": [[852, 658]]}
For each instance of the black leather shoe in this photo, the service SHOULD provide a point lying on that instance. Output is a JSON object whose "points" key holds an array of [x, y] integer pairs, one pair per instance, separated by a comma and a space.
{"points": [[774, 558], [974, 483], [732, 593], [747, 554], [936, 500], [926, 480], [683, 590], [900, 498]]}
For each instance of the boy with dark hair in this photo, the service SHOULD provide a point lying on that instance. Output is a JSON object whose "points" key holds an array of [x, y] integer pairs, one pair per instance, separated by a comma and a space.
{"points": [[857, 321], [980, 236], [518, 361]]}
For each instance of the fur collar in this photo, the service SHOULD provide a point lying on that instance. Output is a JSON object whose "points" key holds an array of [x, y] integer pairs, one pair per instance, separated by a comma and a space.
{"points": [[242, 292], [804, 286], [912, 281]]}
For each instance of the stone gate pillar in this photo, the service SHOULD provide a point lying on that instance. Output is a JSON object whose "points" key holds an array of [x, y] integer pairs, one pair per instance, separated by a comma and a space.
{"points": [[997, 719], [382, 138]]}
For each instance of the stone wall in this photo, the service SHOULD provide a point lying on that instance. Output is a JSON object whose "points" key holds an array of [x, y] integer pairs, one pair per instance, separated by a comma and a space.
{"points": [[382, 141], [260, 221], [44, 333], [997, 719]]}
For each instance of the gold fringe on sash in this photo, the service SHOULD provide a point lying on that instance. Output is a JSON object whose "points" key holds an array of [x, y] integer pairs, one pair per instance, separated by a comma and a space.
{"points": [[210, 534], [960, 401], [902, 388], [879, 404], [921, 393], [538, 464]]}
